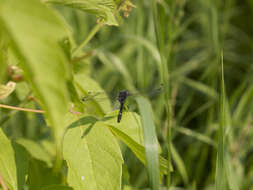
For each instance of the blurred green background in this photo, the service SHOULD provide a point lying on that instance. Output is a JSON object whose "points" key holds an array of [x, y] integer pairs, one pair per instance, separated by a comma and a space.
{"points": [[127, 57]]}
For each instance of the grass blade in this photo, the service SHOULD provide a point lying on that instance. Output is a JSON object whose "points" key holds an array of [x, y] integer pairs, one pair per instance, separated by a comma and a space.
{"points": [[150, 141], [220, 178]]}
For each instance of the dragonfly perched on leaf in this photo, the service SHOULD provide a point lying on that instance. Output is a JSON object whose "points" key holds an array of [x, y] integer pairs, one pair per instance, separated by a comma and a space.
{"points": [[121, 98]]}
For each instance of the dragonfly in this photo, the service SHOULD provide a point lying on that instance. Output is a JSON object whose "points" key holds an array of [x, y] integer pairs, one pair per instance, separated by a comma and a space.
{"points": [[121, 98]]}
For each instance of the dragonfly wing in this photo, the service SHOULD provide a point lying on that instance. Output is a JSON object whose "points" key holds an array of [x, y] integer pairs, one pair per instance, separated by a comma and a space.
{"points": [[95, 96], [99, 99], [150, 94]]}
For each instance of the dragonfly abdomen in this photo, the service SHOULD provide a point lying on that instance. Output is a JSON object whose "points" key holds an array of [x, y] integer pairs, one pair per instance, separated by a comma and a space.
{"points": [[120, 112]]}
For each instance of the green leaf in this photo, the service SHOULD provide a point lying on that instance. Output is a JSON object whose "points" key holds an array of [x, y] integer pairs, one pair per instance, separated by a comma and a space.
{"points": [[103, 9], [6, 90], [21, 158], [150, 141], [36, 150], [13, 163], [137, 149], [48, 146], [57, 187], [40, 175], [130, 125], [93, 156], [34, 32]]}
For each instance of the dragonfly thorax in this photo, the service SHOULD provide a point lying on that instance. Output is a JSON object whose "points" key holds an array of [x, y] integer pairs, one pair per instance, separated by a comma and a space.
{"points": [[123, 95]]}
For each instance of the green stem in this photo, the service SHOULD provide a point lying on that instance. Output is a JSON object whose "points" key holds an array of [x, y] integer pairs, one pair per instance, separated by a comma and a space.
{"points": [[21, 109], [90, 36], [58, 159]]}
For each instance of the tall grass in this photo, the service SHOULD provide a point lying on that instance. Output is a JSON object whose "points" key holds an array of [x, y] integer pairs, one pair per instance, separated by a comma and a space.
{"points": [[178, 44]]}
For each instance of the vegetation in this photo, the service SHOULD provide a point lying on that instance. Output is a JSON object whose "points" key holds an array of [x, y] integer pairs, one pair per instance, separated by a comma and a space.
{"points": [[194, 135]]}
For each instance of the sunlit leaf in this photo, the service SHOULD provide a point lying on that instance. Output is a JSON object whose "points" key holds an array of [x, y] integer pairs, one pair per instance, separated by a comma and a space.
{"points": [[93, 156], [13, 163], [137, 149], [35, 32], [130, 125], [57, 187], [36, 150]]}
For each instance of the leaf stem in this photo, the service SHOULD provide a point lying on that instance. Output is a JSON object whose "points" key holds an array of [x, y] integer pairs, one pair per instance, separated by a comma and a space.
{"points": [[4, 186], [90, 36], [21, 109]]}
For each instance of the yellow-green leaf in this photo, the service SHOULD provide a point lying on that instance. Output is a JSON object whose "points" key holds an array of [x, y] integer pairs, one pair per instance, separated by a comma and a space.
{"points": [[93, 156]]}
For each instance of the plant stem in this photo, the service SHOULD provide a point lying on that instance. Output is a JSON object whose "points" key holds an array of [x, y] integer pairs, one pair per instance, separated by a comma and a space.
{"points": [[21, 109], [90, 36], [4, 186]]}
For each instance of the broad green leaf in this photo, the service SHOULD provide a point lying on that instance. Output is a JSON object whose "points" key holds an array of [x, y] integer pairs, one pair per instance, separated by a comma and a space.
{"points": [[137, 149], [34, 32], [127, 187], [130, 125], [36, 150], [57, 187], [6, 90], [40, 175], [21, 159], [150, 141], [48, 146], [13, 163], [93, 156], [103, 9]]}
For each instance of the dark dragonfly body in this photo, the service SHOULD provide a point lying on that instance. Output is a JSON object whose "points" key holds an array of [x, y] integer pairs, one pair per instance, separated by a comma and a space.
{"points": [[122, 99]]}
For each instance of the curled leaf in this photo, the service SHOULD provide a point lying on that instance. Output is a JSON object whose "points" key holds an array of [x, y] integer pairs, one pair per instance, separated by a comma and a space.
{"points": [[104, 9], [6, 90]]}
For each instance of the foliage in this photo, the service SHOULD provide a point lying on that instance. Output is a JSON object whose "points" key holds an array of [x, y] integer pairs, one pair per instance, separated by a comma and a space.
{"points": [[53, 53]]}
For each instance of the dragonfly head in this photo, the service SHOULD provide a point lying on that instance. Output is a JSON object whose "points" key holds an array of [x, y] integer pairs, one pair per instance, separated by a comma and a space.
{"points": [[123, 95]]}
